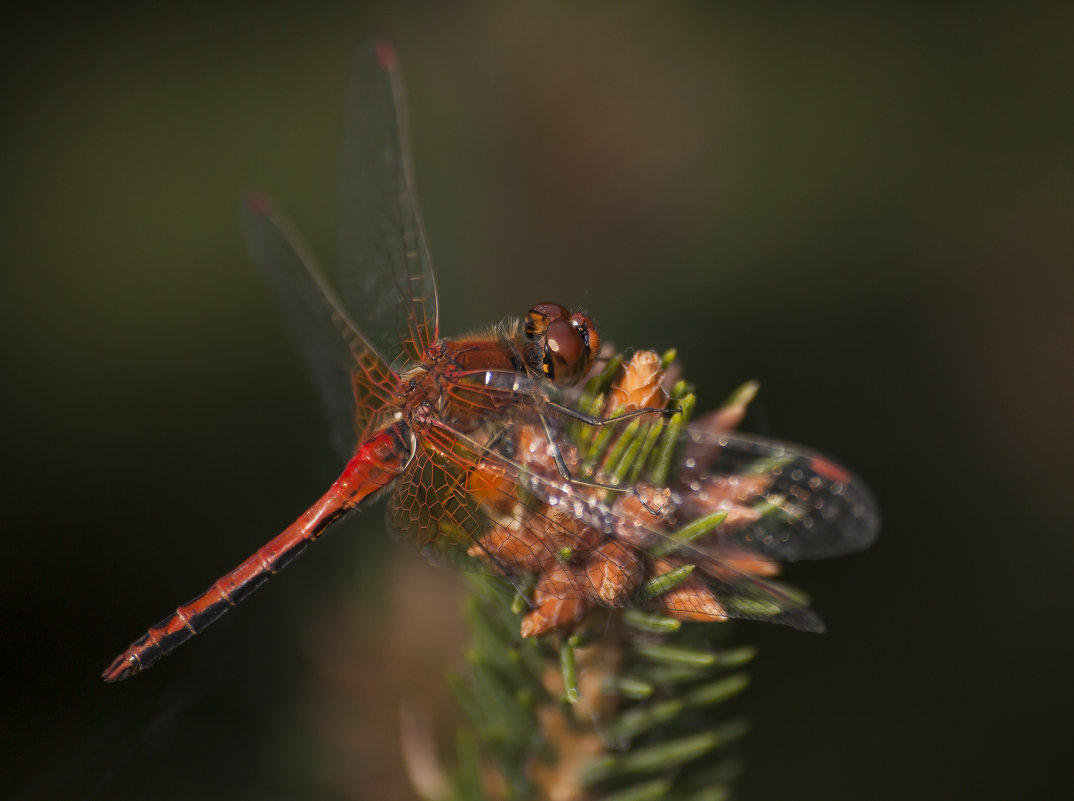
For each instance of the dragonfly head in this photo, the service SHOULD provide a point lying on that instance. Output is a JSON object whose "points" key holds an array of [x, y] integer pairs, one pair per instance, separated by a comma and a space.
{"points": [[564, 342]]}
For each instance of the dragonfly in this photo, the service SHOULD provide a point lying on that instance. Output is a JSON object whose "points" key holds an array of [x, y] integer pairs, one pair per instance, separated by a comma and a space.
{"points": [[508, 451]]}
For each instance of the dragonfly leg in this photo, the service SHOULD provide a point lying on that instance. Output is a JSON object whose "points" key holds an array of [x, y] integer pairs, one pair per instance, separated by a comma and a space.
{"points": [[603, 421], [561, 465], [565, 471]]}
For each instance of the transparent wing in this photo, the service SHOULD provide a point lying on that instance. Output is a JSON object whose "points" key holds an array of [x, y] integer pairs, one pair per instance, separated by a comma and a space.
{"points": [[783, 502], [776, 501], [735, 498], [352, 378], [386, 272], [733, 559], [494, 501]]}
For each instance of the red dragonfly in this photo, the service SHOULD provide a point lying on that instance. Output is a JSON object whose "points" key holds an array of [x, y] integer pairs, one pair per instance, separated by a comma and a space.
{"points": [[492, 449]]}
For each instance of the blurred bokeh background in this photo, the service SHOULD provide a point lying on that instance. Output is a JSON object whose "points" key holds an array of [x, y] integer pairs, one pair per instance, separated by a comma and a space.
{"points": [[869, 209]]}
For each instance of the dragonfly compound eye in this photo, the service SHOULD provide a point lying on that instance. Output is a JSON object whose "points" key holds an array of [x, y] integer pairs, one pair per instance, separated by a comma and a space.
{"points": [[563, 347], [580, 320], [565, 343], [541, 316]]}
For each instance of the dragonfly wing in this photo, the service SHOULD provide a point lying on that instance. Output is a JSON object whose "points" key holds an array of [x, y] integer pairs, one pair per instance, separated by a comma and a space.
{"points": [[765, 499], [761, 501], [748, 597], [784, 502], [387, 274], [352, 378], [468, 504], [431, 509], [459, 502]]}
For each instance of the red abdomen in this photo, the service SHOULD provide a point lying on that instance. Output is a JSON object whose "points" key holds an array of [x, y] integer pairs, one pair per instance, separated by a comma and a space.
{"points": [[374, 465]]}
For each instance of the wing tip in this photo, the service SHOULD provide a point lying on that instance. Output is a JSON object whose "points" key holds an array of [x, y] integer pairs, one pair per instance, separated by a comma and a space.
{"points": [[257, 203], [806, 620], [385, 52]]}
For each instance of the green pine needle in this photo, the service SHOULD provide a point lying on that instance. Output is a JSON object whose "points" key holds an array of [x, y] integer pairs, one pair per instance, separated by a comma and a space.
{"points": [[695, 530], [663, 583], [663, 683], [650, 621], [646, 791], [569, 671], [676, 655]]}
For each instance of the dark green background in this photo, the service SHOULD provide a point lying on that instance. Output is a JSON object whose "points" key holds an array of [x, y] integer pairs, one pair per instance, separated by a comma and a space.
{"points": [[868, 209]]}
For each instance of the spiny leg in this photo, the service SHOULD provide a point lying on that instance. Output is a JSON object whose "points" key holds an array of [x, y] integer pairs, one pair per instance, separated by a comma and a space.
{"points": [[603, 421], [561, 464]]}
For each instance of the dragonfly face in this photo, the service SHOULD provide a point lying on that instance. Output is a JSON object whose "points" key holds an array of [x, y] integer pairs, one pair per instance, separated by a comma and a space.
{"points": [[565, 343], [495, 454]]}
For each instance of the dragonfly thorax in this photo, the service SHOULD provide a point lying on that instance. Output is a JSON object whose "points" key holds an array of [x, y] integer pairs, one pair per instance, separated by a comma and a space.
{"points": [[464, 383], [450, 387]]}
